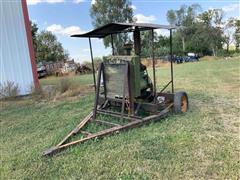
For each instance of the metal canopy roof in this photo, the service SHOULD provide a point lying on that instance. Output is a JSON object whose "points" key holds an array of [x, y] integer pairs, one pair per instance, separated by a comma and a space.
{"points": [[113, 28]]}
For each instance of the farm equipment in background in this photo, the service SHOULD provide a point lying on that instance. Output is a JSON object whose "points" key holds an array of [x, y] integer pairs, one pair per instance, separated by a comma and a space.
{"points": [[191, 57], [125, 95], [67, 68], [82, 69]]}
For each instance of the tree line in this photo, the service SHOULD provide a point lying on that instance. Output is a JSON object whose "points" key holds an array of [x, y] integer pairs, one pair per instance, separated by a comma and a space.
{"points": [[202, 32], [205, 33]]}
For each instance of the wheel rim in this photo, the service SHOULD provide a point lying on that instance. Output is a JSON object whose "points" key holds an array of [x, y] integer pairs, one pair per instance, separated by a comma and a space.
{"points": [[184, 104]]}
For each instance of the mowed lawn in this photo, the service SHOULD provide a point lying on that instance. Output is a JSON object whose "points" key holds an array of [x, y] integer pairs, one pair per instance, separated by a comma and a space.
{"points": [[203, 143]]}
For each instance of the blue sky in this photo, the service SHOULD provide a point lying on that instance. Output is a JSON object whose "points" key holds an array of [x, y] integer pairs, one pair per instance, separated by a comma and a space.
{"points": [[65, 17]]}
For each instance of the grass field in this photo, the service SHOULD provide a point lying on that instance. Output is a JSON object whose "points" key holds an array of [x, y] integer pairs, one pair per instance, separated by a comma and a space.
{"points": [[203, 143], [79, 79]]}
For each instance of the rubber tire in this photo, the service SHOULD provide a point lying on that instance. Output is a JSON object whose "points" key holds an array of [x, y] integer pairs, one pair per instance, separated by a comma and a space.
{"points": [[177, 107]]}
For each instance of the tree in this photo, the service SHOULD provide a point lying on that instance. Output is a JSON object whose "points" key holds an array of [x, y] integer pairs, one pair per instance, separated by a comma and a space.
{"points": [[184, 17], [46, 46], [161, 44], [212, 20], [146, 37], [237, 34], [201, 33], [34, 30], [200, 40], [229, 33], [171, 17], [218, 15], [108, 11]]}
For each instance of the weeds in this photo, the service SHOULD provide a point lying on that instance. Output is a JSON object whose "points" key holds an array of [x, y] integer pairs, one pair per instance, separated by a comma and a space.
{"points": [[36, 92], [62, 89], [9, 90], [64, 84]]}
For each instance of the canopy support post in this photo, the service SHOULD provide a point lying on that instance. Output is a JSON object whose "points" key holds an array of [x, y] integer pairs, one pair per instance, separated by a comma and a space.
{"points": [[94, 78], [171, 54], [113, 50], [137, 41], [153, 66]]}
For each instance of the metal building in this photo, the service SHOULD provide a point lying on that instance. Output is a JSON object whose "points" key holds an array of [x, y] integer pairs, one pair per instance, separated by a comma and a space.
{"points": [[17, 59]]}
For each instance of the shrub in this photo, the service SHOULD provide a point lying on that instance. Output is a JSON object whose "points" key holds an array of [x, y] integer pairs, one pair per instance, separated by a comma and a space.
{"points": [[64, 84], [37, 92], [222, 53], [47, 92], [236, 54], [9, 90]]}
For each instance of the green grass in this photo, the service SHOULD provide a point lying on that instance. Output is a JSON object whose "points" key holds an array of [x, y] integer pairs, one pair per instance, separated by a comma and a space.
{"points": [[203, 143], [78, 79]]}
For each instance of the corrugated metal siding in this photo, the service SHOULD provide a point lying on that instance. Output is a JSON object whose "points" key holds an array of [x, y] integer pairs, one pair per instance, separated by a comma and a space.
{"points": [[15, 59]]}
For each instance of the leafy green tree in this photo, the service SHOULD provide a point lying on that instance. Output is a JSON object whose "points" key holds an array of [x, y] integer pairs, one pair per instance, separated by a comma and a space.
{"points": [[199, 41], [146, 37], [213, 23], [237, 34], [34, 31], [184, 17], [49, 49], [108, 11], [206, 17], [162, 44], [171, 17], [229, 32], [218, 15], [46, 46], [199, 32]]}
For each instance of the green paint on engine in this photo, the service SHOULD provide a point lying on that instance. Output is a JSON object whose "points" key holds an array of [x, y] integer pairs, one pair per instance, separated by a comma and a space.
{"points": [[135, 76]]}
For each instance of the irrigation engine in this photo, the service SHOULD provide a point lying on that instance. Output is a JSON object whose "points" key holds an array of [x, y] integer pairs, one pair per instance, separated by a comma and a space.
{"points": [[125, 95]]}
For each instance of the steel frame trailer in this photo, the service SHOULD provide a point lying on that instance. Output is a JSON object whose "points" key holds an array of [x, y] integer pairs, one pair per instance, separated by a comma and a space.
{"points": [[129, 109]]}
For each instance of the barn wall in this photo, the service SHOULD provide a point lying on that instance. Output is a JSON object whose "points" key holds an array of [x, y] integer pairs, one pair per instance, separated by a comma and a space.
{"points": [[15, 55]]}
